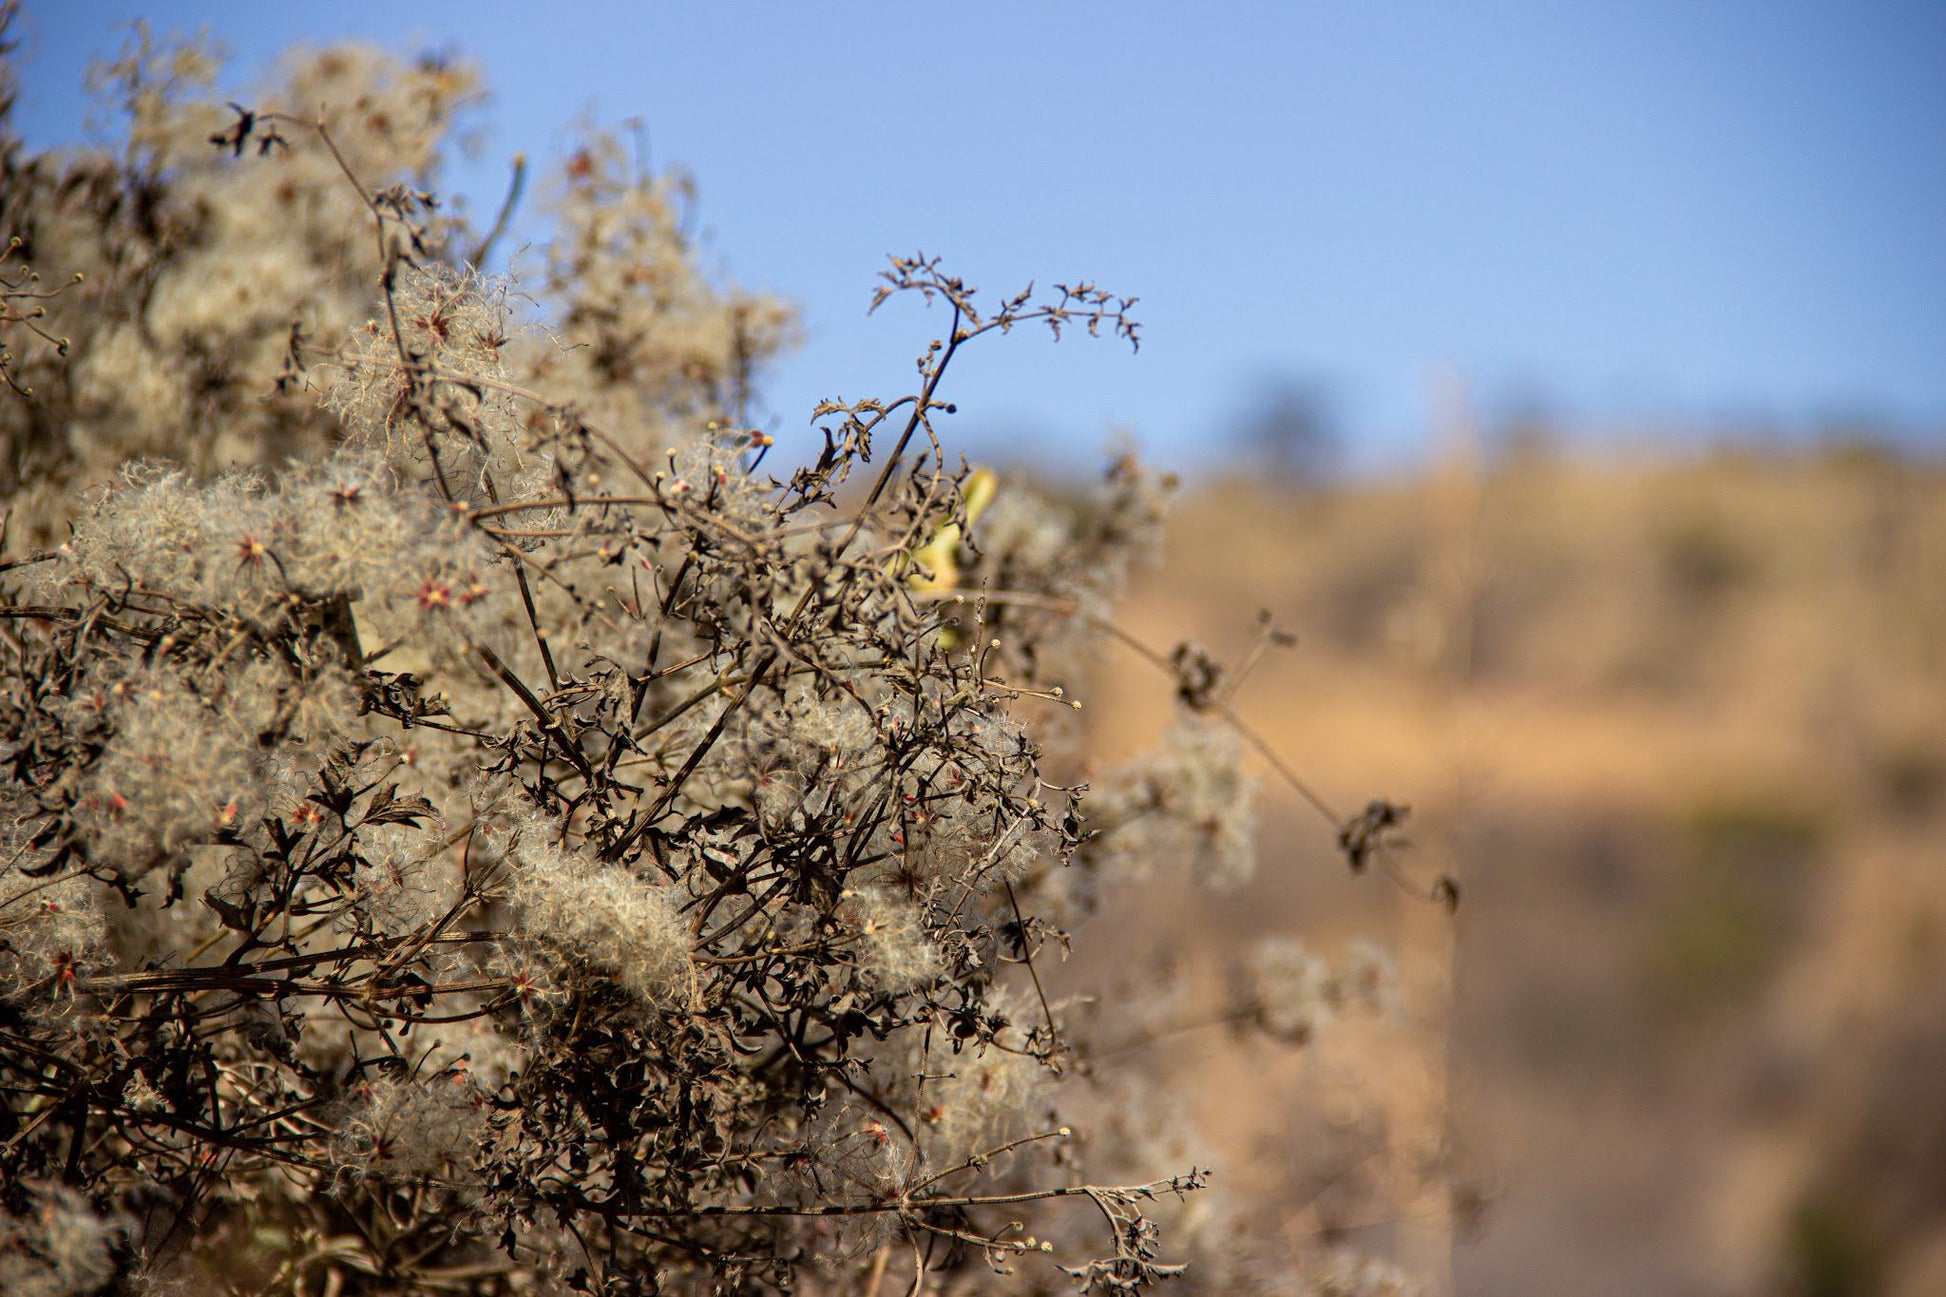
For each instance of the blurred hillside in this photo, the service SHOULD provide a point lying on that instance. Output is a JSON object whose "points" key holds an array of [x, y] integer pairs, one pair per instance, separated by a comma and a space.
{"points": [[1679, 729]]}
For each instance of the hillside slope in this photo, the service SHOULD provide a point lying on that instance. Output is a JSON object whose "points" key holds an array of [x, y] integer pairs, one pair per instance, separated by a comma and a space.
{"points": [[1680, 731]]}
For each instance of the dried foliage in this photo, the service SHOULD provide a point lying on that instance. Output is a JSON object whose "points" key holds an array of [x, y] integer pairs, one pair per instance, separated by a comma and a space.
{"points": [[467, 827]]}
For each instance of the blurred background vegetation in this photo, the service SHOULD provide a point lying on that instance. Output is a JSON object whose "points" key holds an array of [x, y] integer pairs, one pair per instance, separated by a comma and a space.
{"points": [[1675, 721]]}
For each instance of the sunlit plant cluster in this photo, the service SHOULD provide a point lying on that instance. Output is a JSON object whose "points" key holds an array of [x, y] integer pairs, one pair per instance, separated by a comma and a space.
{"points": [[469, 821]]}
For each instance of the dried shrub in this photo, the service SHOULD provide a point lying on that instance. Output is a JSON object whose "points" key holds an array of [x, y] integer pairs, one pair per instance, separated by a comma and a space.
{"points": [[467, 826]]}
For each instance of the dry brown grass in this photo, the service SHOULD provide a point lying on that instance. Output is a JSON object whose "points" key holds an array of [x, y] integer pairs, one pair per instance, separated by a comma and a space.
{"points": [[1678, 727]]}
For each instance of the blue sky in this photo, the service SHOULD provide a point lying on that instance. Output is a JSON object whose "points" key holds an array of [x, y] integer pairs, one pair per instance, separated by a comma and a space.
{"points": [[1670, 214]]}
